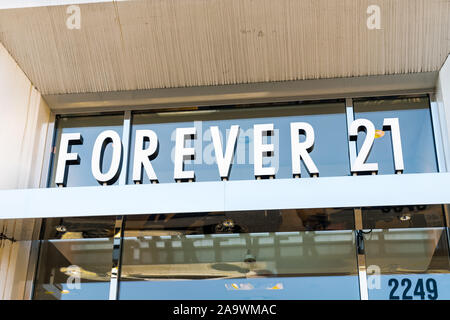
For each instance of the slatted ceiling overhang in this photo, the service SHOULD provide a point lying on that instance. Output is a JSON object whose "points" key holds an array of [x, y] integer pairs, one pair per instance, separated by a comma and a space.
{"points": [[134, 45]]}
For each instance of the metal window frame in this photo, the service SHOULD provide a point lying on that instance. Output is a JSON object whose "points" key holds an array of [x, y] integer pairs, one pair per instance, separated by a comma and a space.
{"points": [[440, 146], [441, 140], [360, 256], [120, 220]]}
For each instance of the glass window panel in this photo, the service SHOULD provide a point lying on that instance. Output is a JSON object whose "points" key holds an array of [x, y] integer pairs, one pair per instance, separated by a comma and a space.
{"points": [[330, 152], [421, 216], [416, 133], [407, 255], [75, 259], [274, 254], [89, 127]]}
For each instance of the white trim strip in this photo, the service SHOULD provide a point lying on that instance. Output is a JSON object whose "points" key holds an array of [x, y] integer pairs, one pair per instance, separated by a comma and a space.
{"points": [[326, 192]]}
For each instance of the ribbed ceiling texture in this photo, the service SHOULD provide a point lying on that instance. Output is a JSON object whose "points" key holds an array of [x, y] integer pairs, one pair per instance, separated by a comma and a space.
{"points": [[130, 45]]}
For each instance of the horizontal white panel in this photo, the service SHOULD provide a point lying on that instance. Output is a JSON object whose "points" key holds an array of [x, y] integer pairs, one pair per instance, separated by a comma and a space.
{"points": [[360, 191]]}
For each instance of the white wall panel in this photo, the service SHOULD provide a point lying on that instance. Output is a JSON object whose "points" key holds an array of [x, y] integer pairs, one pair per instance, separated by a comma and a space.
{"points": [[218, 196], [24, 117]]}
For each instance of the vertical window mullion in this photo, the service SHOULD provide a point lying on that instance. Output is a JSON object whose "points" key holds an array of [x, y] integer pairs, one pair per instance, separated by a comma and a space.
{"points": [[116, 258], [120, 220], [437, 134], [352, 151], [359, 243], [361, 255], [126, 131]]}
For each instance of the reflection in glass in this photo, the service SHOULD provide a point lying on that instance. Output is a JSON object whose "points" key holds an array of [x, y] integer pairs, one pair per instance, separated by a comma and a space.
{"points": [[416, 133], [408, 254], [408, 250], [276, 254], [75, 259], [89, 127], [421, 216], [330, 152]]}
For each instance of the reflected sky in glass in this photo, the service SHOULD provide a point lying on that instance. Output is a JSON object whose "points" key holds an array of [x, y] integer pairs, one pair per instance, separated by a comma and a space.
{"points": [[422, 287], [330, 152], [307, 288], [89, 127], [74, 269], [416, 133]]}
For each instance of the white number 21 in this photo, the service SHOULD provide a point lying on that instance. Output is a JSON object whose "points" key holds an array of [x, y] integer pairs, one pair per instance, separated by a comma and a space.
{"points": [[392, 124]]}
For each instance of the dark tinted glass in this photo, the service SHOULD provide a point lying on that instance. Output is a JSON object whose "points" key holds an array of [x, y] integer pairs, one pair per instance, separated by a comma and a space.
{"points": [[422, 216]]}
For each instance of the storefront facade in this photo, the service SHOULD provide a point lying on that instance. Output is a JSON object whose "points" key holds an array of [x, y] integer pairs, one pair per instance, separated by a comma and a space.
{"points": [[305, 189]]}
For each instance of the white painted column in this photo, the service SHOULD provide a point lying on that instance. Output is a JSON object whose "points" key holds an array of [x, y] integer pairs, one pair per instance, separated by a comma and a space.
{"points": [[24, 119]]}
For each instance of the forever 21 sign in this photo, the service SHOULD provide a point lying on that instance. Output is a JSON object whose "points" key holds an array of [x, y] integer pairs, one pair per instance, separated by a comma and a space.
{"points": [[224, 156]]}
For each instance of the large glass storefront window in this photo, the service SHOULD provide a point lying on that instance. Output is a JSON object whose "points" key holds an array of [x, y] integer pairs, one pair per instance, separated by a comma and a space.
{"points": [[276, 254], [407, 253], [293, 139], [75, 259], [270, 254], [330, 152]]}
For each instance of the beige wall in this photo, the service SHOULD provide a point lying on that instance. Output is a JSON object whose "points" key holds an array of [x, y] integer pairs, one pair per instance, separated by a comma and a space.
{"points": [[24, 119], [138, 45]]}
